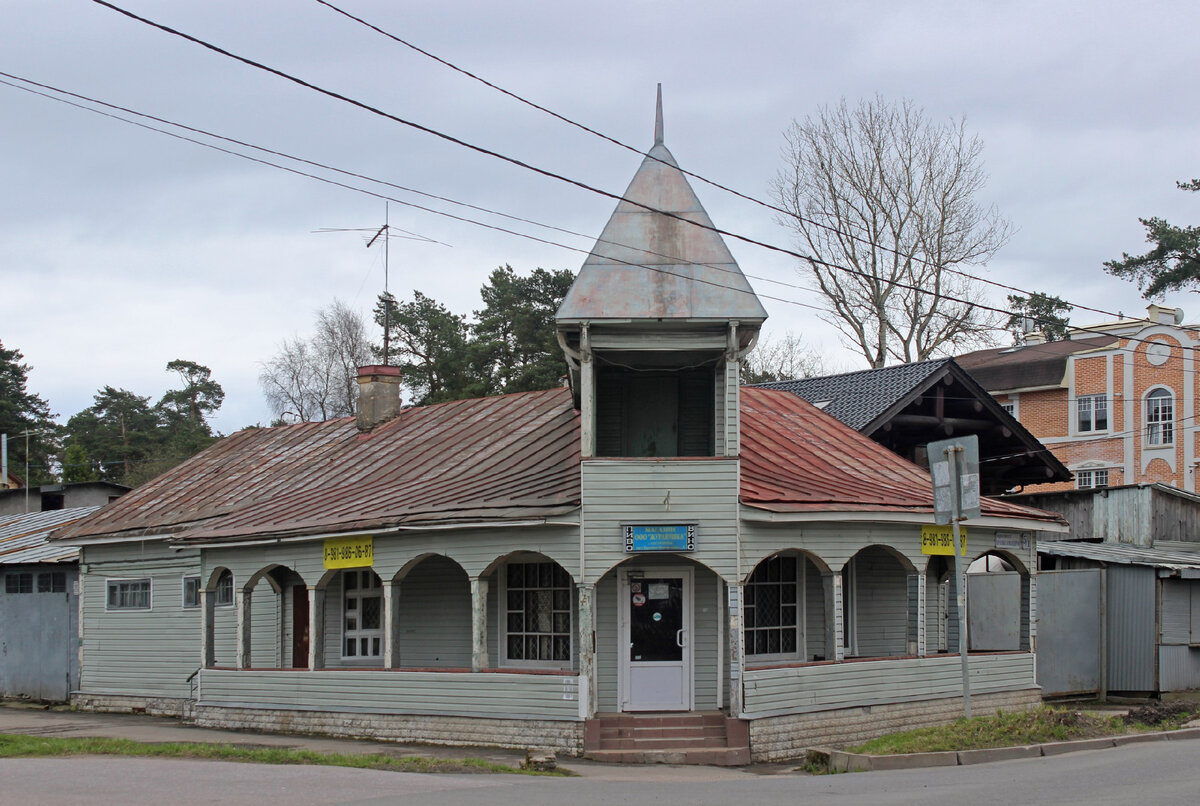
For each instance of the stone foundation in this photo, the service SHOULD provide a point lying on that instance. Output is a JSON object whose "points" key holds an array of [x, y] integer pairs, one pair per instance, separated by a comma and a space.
{"points": [[785, 737], [563, 737], [132, 704]]}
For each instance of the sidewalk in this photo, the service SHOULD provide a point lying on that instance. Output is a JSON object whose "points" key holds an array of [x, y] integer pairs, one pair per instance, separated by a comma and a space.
{"points": [[32, 720]]}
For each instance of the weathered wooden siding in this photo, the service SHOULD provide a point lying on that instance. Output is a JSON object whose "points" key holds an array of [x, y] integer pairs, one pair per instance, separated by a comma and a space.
{"points": [[881, 604], [531, 696], [435, 616], [140, 652], [772, 692], [814, 614], [702, 491], [605, 613], [266, 627]]}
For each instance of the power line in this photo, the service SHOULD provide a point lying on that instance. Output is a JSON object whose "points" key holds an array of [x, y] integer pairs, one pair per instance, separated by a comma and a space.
{"points": [[712, 183]]}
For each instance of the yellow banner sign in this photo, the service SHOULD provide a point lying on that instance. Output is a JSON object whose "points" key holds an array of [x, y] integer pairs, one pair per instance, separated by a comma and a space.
{"points": [[350, 552], [940, 540]]}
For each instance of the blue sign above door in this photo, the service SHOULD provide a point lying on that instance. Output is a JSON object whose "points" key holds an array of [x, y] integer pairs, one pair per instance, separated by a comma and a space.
{"points": [[660, 537]]}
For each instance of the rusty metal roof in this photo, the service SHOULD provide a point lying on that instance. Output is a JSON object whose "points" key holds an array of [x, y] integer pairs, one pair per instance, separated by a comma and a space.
{"points": [[647, 265], [508, 458], [25, 538], [497, 458], [797, 458]]}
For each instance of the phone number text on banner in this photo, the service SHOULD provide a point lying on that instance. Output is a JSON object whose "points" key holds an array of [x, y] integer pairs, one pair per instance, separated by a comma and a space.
{"points": [[350, 552]]}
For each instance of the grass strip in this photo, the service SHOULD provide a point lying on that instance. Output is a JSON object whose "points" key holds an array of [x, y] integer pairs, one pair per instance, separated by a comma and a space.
{"points": [[1036, 726], [20, 746]]}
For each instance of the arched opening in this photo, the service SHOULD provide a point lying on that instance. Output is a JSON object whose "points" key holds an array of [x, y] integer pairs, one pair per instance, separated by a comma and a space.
{"points": [[433, 629], [354, 629], [536, 613], [784, 609], [998, 598], [219, 590], [877, 619]]}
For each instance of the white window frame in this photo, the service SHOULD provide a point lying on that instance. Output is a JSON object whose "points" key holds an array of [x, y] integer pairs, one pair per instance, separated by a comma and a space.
{"points": [[1089, 402], [357, 595], [801, 651], [184, 598], [118, 581], [1091, 478], [503, 614], [223, 593], [1159, 430]]}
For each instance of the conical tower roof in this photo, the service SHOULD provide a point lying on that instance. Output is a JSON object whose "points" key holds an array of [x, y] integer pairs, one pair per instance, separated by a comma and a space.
{"points": [[647, 265]]}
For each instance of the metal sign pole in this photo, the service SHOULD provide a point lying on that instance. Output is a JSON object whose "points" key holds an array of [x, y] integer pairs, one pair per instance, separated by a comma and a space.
{"points": [[960, 579]]}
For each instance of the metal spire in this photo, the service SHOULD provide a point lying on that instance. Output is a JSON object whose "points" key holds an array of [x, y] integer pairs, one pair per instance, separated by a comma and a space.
{"points": [[658, 123]]}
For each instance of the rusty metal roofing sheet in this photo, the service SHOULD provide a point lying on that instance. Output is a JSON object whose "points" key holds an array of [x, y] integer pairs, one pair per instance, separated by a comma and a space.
{"points": [[796, 458], [24, 538], [513, 457], [506, 457]]}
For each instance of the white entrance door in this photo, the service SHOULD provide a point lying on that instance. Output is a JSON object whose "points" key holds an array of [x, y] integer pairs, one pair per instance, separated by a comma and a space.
{"points": [[656, 638]]}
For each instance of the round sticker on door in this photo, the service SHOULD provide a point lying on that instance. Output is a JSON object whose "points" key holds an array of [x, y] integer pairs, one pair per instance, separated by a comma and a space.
{"points": [[639, 599], [657, 617]]}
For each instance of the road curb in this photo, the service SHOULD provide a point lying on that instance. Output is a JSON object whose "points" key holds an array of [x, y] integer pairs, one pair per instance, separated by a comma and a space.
{"points": [[845, 761]]}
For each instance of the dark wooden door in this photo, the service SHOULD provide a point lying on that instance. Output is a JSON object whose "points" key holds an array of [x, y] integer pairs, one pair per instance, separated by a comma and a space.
{"points": [[299, 627]]}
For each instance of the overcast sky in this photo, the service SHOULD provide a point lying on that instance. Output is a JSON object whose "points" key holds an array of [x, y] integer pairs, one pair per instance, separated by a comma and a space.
{"points": [[122, 249]]}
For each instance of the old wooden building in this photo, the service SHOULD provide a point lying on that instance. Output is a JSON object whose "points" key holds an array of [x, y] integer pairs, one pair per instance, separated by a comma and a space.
{"points": [[547, 568]]}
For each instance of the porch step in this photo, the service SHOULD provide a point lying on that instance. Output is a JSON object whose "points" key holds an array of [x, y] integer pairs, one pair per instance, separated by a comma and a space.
{"points": [[668, 738]]}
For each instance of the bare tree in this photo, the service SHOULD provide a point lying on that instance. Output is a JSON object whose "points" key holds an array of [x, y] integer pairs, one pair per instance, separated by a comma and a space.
{"points": [[317, 378], [782, 358], [883, 200]]}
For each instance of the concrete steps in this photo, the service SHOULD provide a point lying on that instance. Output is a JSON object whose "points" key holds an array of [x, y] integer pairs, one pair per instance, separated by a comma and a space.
{"points": [[668, 738]]}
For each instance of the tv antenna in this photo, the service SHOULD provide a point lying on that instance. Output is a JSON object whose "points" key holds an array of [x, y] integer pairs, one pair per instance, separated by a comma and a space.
{"points": [[386, 232]]}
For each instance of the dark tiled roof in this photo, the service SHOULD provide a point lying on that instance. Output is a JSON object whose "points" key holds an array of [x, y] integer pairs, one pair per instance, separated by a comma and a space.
{"points": [[858, 398], [512, 457], [1030, 366]]}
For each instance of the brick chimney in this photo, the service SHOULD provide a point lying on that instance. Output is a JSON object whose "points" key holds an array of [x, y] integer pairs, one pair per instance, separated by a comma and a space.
{"points": [[378, 395]]}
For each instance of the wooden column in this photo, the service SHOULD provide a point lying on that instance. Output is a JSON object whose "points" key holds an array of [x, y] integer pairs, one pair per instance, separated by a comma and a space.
{"points": [[737, 652], [479, 619], [316, 628], [586, 642], [391, 621], [242, 603], [587, 396], [922, 615], [835, 648], [208, 650]]}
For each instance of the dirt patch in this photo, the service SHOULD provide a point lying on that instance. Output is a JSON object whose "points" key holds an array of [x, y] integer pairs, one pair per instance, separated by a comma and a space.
{"points": [[1157, 713]]}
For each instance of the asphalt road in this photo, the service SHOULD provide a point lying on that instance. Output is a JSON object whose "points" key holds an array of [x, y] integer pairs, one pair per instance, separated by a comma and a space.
{"points": [[1157, 774]]}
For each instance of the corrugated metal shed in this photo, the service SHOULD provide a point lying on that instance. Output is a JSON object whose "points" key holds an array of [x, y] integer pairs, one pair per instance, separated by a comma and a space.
{"points": [[24, 538], [1122, 554]]}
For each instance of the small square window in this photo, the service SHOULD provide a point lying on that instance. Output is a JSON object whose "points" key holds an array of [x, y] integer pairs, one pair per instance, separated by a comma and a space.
{"points": [[128, 594]]}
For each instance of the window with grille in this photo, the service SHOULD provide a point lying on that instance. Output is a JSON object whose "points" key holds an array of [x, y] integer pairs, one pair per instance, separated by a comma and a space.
{"points": [[1091, 413], [18, 583], [1160, 418], [1086, 479], [52, 582], [362, 620], [224, 594], [128, 594], [772, 609], [538, 614]]}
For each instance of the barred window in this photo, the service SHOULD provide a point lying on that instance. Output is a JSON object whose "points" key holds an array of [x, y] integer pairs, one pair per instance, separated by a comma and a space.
{"points": [[18, 583], [52, 582], [128, 594], [772, 608], [362, 619], [538, 614]]}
